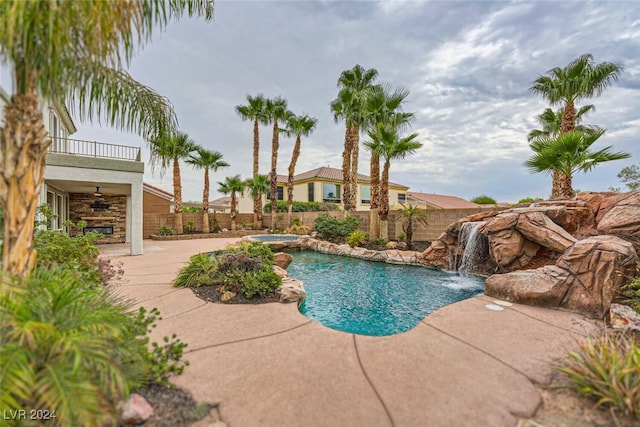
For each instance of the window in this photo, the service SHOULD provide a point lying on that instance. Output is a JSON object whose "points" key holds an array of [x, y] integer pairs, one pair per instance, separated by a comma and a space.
{"points": [[365, 194], [280, 193], [402, 198], [331, 193], [310, 187]]}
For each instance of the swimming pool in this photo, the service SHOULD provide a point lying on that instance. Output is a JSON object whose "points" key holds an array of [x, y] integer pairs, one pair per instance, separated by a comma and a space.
{"points": [[371, 298], [273, 237]]}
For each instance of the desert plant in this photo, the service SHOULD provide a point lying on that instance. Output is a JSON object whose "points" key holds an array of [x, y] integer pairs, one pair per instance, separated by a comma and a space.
{"points": [[261, 283], [357, 238], [607, 368], [631, 292], [66, 347], [530, 200], [483, 199], [190, 227], [298, 229], [379, 242], [412, 217], [337, 229], [163, 230], [197, 272], [402, 236]]}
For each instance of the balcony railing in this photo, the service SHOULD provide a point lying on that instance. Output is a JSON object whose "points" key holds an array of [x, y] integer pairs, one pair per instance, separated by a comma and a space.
{"points": [[78, 147]]}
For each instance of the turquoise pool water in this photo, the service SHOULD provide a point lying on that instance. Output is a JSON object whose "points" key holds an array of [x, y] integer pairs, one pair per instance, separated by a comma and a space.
{"points": [[373, 298], [275, 237]]}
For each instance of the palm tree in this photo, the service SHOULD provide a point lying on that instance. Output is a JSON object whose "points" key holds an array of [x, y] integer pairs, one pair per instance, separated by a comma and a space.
{"points": [[569, 153], [354, 86], [207, 160], [41, 41], [258, 186], [297, 126], [580, 79], [232, 185], [382, 106], [389, 145], [412, 217], [277, 112], [255, 110], [551, 123], [169, 149]]}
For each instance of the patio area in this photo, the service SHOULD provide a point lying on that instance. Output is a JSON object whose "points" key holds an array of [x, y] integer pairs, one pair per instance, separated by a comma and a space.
{"points": [[268, 365]]}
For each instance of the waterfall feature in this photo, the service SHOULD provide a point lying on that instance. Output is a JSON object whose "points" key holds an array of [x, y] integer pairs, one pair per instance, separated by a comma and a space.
{"points": [[473, 245]]}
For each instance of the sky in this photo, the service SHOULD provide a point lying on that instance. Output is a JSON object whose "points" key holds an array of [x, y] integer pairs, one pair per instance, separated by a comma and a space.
{"points": [[468, 67]]}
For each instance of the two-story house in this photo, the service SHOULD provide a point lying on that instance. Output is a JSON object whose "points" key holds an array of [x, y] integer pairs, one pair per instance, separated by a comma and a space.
{"points": [[89, 181]]}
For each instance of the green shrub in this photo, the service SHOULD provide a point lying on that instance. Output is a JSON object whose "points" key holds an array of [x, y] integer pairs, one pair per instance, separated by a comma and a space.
{"points": [[631, 292], [261, 283], [357, 238], [402, 236], [607, 369], [335, 229], [530, 200], [484, 200], [190, 227], [163, 230], [197, 272], [77, 254], [214, 227], [379, 242], [302, 207], [253, 250], [67, 348]]}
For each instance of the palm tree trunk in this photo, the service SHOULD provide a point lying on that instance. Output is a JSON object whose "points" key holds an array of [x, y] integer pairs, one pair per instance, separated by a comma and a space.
{"points": [[205, 202], [274, 177], [257, 200], [177, 197], [346, 169], [232, 214], [561, 186], [23, 148], [292, 169], [384, 201], [353, 177], [409, 233], [374, 226]]}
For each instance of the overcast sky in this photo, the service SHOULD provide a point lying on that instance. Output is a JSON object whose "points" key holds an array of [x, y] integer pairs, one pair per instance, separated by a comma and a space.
{"points": [[468, 67]]}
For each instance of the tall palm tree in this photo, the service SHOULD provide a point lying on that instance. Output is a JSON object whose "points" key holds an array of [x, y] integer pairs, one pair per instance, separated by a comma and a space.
{"points": [[258, 186], [580, 79], [169, 149], [232, 185], [40, 40], [382, 106], [569, 153], [277, 113], [256, 111], [297, 126], [354, 86], [207, 160], [389, 145]]}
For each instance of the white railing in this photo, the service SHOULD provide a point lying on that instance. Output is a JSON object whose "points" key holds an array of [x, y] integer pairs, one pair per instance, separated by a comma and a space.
{"points": [[78, 147]]}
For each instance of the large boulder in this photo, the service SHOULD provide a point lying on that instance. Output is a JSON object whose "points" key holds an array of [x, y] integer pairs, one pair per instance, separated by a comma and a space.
{"points": [[585, 279], [283, 259], [623, 219], [291, 290], [539, 228]]}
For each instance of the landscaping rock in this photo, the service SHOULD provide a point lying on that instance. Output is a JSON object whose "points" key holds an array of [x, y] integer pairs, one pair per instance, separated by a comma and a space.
{"points": [[283, 259], [543, 287], [538, 228], [291, 290], [136, 410], [624, 317], [227, 296]]}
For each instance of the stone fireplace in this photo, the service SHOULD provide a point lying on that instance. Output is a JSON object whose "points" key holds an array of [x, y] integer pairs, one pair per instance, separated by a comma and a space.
{"points": [[106, 215]]}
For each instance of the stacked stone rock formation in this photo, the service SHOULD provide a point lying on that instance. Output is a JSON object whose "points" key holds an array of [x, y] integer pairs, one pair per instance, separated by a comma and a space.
{"points": [[573, 254]]}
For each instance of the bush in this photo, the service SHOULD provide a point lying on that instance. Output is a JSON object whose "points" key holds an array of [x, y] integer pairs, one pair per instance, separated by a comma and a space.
{"points": [[190, 227], [529, 200], [77, 254], [67, 348], [484, 200], [163, 230], [402, 236], [197, 272], [335, 229], [297, 227], [607, 369], [357, 238], [631, 293], [246, 268], [302, 207]]}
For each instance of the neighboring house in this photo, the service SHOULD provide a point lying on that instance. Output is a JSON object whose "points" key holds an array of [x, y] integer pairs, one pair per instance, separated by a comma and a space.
{"points": [[324, 184], [219, 205], [91, 181], [438, 201], [156, 200]]}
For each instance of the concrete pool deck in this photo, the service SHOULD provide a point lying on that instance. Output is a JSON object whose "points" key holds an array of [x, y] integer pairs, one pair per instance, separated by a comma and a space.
{"points": [[268, 365]]}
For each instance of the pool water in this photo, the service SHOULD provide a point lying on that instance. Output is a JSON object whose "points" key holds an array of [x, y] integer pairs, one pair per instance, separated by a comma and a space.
{"points": [[374, 298], [274, 237]]}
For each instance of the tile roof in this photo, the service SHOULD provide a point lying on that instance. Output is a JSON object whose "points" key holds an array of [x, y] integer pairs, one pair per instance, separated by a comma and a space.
{"points": [[157, 191], [441, 201], [332, 174]]}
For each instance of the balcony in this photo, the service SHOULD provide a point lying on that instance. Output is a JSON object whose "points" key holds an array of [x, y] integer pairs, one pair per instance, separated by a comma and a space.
{"points": [[78, 147]]}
